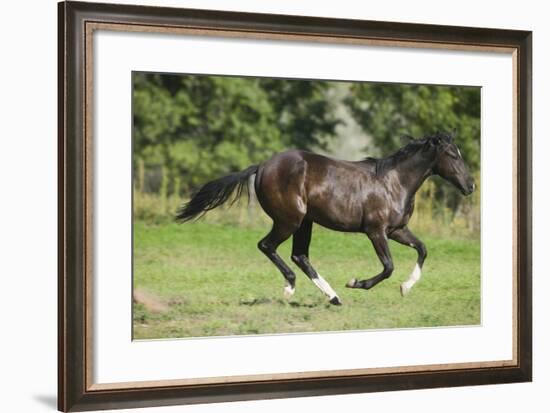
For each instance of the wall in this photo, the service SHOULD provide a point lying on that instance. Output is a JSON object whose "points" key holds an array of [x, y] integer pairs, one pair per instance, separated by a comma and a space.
{"points": [[28, 203]]}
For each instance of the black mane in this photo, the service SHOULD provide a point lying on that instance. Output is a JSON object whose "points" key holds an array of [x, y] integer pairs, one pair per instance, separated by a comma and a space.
{"points": [[411, 148]]}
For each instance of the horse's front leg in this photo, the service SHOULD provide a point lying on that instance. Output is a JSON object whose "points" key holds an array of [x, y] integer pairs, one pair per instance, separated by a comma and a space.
{"points": [[380, 242], [406, 237]]}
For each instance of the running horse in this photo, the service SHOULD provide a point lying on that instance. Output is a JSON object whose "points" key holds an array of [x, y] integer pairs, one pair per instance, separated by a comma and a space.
{"points": [[372, 196]]}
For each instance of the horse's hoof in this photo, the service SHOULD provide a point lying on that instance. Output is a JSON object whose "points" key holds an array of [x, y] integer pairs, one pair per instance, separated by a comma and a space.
{"points": [[289, 291], [404, 290], [351, 283], [335, 300]]}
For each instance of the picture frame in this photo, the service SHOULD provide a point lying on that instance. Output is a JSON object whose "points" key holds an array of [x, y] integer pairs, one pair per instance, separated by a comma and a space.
{"points": [[77, 390]]}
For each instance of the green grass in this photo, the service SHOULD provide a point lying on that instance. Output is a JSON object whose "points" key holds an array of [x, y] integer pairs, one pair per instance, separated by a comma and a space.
{"points": [[211, 280]]}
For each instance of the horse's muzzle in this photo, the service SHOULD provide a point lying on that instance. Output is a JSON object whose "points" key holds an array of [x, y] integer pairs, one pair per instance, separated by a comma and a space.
{"points": [[469, 189]]}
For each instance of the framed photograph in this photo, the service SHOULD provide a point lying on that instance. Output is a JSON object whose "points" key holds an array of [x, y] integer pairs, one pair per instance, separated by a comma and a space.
{"points": [[212, 165]]}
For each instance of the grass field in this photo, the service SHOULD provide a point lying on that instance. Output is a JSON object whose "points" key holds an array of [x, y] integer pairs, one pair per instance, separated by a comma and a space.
{"points": [[208, 279]]}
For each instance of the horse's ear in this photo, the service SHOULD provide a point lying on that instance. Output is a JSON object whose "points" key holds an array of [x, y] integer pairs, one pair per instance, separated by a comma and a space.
{"points": [[436, 139]]}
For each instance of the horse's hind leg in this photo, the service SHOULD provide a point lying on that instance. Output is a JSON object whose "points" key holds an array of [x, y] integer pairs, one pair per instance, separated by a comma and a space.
{"points": [[300, 256], [268, 246]]}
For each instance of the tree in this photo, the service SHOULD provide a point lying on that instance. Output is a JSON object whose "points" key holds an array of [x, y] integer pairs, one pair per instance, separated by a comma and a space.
{"points": [[388, 111], [197, 127], [305, 115]]}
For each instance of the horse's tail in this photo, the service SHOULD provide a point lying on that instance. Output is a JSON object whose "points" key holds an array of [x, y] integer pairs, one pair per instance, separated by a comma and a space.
{"points": [[215, 193]]}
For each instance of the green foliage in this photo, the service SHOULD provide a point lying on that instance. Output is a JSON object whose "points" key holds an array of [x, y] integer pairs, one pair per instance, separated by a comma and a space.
{"points": [[305, 115], [201, 127], [389, 111]]}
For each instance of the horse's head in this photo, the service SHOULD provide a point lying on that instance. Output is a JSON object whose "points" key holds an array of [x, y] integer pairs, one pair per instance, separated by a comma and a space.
{"points": [[449, 163]]}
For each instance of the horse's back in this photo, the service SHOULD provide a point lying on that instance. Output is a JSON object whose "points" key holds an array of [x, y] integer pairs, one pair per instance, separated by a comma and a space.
{"points": [[289, 169], [295, 184]]}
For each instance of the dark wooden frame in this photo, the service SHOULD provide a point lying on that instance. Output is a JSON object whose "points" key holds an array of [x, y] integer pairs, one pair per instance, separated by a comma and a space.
{"points": [[74, 208]]}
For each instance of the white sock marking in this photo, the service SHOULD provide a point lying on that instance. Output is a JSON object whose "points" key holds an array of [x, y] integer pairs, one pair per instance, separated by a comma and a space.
{"points": [[289, 290], [324, 286], [413, 278]]}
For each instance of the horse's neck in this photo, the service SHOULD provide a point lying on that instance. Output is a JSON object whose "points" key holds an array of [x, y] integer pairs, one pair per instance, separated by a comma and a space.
{"points": [[413, 172]]}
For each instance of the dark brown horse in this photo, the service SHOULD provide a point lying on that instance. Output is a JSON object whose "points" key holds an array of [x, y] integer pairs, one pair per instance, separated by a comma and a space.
{"points": [[372, 196]]}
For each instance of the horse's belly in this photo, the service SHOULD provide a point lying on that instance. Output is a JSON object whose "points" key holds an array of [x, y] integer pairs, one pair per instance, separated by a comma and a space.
{"points": [[336, 216]]}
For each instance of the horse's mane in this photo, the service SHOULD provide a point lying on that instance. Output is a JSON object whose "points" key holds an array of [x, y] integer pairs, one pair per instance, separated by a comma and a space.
{"points": [[412, 147]]}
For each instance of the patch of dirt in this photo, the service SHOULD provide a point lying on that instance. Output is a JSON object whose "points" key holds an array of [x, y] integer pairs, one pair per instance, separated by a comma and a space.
{"points": [[151, 302]]}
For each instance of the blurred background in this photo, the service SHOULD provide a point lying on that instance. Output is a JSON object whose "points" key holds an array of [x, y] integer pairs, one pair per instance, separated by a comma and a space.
{"points": [[190, 129]]}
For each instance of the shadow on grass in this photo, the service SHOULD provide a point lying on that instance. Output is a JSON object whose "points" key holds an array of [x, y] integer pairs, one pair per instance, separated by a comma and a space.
{"points": [[256, 301], [263, 301], [296, 304]]}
